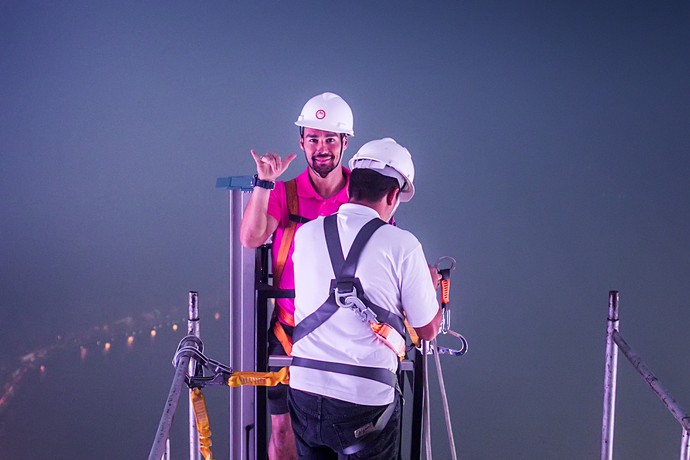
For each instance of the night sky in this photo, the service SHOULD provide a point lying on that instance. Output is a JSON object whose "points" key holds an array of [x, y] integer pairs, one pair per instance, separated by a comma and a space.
{"points": [[551, 141]]}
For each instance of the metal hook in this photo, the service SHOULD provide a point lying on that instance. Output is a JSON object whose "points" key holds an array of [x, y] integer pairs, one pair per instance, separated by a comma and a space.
{"points": [[453, 263]]}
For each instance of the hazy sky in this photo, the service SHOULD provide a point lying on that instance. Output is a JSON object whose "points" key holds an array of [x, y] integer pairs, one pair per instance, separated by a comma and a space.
{"points": [[552, 146]]}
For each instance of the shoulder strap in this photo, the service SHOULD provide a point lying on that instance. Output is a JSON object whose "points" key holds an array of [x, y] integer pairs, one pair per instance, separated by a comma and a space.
{"points": [[288, 233], [335, 249], [340, 268], [358, 244]]}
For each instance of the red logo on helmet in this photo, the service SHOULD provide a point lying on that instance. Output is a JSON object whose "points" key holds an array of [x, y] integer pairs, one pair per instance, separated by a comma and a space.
{"points": [[320, 114]]}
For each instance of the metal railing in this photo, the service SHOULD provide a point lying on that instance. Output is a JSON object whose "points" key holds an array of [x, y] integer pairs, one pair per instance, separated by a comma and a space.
{"points": [[614, 342], [184, 364]]}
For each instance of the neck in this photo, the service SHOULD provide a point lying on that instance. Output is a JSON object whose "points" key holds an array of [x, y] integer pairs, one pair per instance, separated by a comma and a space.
{"points": [[381, 208], [330, 185]]}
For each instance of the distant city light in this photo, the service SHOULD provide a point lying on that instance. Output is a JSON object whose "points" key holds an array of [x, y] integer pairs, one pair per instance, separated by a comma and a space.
{"points": [[86, 342]]}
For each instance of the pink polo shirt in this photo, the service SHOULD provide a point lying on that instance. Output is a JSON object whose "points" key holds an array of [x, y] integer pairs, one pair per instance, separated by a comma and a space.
{"points": [[311, 206]]}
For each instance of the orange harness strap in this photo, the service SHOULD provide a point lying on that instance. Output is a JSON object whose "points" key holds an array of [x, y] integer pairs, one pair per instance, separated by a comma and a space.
{"points": [[281, 259], [289, 233], [283, 338]]}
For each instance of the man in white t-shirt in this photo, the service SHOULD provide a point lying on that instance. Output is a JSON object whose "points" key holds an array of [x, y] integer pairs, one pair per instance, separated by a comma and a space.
{"points": [[356, 277]]}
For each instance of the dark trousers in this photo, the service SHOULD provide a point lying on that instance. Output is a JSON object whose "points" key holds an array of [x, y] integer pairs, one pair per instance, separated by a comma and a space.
{"points": [[324, 427]]}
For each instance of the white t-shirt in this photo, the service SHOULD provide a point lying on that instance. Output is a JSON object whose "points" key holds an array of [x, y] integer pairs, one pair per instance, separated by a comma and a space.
{"points": [[394, 275]]}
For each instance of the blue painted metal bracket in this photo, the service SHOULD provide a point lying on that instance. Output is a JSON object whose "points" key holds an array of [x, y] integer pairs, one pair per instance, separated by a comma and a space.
{"points": [[235, 183]]}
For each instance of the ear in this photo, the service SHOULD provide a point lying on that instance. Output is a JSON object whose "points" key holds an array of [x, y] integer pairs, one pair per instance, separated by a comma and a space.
{"points": [[392, 196], [301, 143], [345, 142]]}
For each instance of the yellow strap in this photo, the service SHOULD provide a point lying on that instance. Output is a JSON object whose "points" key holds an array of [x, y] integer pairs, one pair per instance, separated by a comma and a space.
{"points": [[413, 334], [259, 379], [288, 233], [203, 424]]}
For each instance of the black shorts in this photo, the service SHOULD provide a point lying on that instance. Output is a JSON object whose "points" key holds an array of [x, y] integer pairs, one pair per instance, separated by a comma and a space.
{"points": [[277, 395]]}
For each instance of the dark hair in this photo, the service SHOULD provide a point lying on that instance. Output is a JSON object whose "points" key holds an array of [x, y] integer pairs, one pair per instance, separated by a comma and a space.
{"points": [[370, 186], [342, 135]]}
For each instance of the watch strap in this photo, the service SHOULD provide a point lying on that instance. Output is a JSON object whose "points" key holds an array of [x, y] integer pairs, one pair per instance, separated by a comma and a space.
{"points": [[267, 184]]}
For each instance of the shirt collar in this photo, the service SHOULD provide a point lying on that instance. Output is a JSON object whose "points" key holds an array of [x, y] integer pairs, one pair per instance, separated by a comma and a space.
{"points": [[306, 190], [360, 209]]}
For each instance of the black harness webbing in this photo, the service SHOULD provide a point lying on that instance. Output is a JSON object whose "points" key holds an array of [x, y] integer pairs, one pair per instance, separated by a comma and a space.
{"points": [[298, 219], [344, 270], [345, 281], [372, 373]]}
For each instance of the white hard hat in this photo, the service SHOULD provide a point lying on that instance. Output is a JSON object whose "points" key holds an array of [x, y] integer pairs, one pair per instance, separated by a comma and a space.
{"points": [[389, 158], [327, 112]]}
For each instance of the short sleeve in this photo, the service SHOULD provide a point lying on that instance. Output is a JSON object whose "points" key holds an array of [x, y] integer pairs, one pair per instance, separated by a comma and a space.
{"points": [[418, 295]]}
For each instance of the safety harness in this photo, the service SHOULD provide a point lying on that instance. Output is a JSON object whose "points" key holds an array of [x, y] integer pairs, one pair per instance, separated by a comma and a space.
{"points": [[346, 292], [281, 259]]}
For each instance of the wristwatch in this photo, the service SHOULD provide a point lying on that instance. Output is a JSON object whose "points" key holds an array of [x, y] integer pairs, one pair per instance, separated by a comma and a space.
{"points": [[267, 184]]}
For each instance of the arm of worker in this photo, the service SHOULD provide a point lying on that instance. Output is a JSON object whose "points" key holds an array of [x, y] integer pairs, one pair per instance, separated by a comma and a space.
{"points": [[435, 276], [430, 331], [418, 294], [257, 225]]}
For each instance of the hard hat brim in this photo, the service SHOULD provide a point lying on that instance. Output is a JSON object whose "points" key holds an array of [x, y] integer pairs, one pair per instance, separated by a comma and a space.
{"points": [[324, 126]]}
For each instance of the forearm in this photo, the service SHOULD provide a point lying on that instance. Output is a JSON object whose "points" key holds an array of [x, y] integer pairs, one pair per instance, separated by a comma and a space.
{"points": [[430, 331], [255, 228]]}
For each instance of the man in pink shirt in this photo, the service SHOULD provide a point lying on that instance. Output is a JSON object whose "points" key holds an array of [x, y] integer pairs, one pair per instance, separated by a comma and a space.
{"points": [[279, 208]]}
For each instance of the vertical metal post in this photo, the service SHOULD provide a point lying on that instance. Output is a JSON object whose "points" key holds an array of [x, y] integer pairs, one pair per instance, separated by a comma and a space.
{"points": [[685, 445], [193, 329], [426, 414], [243, 326], [417, 384], [161, 440], [610, 374]]}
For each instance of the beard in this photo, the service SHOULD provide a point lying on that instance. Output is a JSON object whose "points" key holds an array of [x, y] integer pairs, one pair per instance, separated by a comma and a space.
{"points": [[321, 167]]}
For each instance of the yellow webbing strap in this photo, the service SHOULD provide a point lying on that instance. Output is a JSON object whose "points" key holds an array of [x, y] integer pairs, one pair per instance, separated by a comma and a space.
{"points": [[259, 379], [413, 334], [203, 424]]}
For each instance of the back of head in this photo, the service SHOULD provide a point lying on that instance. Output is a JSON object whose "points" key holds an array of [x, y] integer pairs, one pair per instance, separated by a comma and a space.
{"points": [[369, 185], [327, 112], [388, 159]]}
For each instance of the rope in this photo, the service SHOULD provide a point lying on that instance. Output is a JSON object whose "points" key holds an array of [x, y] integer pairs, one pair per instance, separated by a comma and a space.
{"points": [[444, 400]]}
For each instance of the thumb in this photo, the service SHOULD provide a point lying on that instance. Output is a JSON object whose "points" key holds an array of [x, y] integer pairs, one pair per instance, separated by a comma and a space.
{"points": [[288, 160], [256, 157]]}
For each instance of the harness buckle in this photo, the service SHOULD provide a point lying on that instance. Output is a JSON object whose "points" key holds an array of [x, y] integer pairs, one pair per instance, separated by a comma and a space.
{"points": [[349, 299]]}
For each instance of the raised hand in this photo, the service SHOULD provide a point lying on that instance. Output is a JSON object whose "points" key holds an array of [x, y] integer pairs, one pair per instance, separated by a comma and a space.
{"points": [[270, 166]]}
